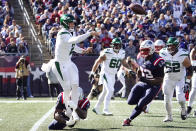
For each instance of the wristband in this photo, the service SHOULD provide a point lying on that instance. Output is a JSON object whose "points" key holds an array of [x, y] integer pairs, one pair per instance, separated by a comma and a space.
{"points": [[188, 80]]}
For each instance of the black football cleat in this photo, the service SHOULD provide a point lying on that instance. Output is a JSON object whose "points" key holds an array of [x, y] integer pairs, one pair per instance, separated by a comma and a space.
{"points": [[189, 110], [126, 122]]}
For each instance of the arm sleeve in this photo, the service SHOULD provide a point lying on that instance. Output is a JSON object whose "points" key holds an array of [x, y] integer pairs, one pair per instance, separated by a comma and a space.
{"points": [[79, 38]]}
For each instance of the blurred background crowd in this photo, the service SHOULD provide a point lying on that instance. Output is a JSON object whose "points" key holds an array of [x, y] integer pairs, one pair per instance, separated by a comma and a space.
{"points": [[114, 18], [12, 42]]}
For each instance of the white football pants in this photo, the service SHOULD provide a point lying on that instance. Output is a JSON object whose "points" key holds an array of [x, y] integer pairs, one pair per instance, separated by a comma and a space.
{"points": [[67, 75], [168, 90], [108, 81]]}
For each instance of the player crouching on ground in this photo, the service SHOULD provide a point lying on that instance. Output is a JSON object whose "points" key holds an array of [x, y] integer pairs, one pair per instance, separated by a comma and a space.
{"points": [[64, 117]]}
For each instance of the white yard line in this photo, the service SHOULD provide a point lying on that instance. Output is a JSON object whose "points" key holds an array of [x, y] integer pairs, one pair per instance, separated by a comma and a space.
{"points": [[26, 101], [41, 120], [93, 101]]}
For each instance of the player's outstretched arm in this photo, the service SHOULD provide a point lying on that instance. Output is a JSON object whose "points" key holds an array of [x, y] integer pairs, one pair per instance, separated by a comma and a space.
{"points": [[80, 38]]}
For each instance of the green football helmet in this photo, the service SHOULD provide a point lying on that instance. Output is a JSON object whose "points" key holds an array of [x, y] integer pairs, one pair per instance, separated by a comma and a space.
{"points": [[66, 19], [116, 44], [172, 45]]}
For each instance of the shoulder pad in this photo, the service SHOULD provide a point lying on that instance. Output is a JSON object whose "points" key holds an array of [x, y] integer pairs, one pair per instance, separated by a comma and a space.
{"points": [[184, 52], [108, 51]]}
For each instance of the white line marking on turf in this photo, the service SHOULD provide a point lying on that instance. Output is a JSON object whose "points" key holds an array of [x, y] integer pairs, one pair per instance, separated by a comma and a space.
{"points": [[0, 119], [41, 120], [42, 101], [27, 101]]}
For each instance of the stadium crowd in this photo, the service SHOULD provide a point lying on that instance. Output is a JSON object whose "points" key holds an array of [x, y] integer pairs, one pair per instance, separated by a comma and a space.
{"points": [[114, 18], [12, 42]]}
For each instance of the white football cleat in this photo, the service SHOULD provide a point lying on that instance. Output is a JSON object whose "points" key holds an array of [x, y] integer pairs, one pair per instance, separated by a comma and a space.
{"points": [[168, 119], [96, 111], [107, 113]]}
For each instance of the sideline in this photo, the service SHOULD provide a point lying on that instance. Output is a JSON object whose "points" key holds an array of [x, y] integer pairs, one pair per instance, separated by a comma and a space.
{"points": [[41, 120]]}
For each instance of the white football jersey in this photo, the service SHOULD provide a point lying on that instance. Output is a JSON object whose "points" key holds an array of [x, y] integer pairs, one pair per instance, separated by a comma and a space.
{"points": [[113, 60], [65, 44], [174, 69]]}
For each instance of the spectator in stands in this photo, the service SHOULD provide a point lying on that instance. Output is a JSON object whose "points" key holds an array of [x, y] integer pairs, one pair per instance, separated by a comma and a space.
{"points": [[12, 48], [59, 6], [8, 39], [46, 28], [56, 23], [14, 27], [22, 73], [177, 10], [2, 15], [43, 19], [130, 49], [54, 16], [3, 48], [106, 41], [162, 21], [7, 20], [78, 10], [22, 50], [107, 23]]}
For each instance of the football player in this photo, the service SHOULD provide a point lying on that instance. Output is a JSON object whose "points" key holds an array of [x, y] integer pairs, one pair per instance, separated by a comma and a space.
{"points": [[64, 69], [193, 89], [159, 44], [63, 116], [123, 74], [110, 58], [176, 64], [150, 75], [96, 87]]}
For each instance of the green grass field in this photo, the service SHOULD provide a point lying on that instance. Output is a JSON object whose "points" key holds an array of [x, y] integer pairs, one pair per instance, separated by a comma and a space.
{"points": [[22, 116]]}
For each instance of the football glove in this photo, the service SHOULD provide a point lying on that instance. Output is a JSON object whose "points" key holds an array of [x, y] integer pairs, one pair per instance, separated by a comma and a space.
{"points": [[132, 73], [61, 117], [91, 78], [187, 86]]}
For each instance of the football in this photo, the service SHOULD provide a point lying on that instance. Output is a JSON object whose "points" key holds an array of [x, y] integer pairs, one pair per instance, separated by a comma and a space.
{"points": [[137, 9]]}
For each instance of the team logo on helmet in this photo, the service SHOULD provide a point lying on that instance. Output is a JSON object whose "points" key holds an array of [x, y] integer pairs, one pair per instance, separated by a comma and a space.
{"points": [[172, 45], [66, 19], [116, 44], [159, 44], [146, 48]]}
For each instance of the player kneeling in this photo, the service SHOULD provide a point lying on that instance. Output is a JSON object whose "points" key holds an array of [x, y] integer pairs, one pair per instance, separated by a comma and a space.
{"points": [[69, 117]]}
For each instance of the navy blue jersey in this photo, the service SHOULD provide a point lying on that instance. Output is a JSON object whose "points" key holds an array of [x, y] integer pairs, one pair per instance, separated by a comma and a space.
{"points": [[152, 68], [83, 103]]}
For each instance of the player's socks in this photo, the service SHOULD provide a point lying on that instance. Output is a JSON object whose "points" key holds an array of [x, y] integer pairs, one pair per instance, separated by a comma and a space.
{"points": [[189, 108]]}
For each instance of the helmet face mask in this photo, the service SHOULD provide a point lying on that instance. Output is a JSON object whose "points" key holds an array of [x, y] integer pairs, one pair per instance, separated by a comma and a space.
{"points": [[116, 44], [146, 48], [67, 21], [172, 45]]}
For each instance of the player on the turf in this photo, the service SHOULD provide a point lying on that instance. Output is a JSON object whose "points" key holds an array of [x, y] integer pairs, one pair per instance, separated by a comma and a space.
{"points": [[150, 74], [64, 69], [177, 66], [63, 116], [111, 58]]}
